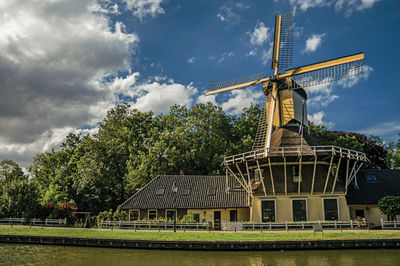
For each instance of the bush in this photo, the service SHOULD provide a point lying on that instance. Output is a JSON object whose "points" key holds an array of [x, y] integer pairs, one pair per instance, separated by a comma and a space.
{"points": [[390, 205], [188, 218]]}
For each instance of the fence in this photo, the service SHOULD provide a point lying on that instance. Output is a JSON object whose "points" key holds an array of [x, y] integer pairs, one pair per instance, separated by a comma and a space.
{"points": [[34, 221], [390, 224], [351, 224], [153, 225]]}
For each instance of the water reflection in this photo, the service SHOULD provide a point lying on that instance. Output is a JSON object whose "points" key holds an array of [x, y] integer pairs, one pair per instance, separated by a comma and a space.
{"points": [[58, 255]]}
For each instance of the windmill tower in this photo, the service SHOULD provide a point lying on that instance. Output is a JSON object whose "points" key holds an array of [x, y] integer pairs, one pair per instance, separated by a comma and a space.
{"points": [[287, 175]]}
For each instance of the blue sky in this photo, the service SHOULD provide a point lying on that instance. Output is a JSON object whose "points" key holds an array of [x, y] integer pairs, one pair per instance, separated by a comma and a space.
{"points": [[65, 63]]}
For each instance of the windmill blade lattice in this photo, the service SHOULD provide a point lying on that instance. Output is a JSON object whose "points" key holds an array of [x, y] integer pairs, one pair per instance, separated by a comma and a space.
{"points": [[326, 75], [286, 41], [215, 85]]}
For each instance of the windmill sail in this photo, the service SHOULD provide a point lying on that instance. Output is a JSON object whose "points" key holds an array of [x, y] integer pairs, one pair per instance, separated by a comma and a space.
{"points": [[286, 41], [224, 85], [325, 72]]}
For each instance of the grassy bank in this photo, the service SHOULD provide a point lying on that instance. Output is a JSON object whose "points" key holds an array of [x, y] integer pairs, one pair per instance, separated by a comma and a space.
{"points": [[213, 236]]}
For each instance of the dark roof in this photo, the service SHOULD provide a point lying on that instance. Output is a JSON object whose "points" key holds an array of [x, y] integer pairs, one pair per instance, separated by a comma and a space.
{"points": [[200, 193], [288, 136], [387, 184]]}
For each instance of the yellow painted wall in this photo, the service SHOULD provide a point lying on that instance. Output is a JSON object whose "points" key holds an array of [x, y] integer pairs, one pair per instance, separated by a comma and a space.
{"points": [[283, 208], [208, 214], [372, 215]]}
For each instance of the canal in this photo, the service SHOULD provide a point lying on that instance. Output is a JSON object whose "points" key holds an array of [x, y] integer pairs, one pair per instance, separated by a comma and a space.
{"points": [[16, 254]]}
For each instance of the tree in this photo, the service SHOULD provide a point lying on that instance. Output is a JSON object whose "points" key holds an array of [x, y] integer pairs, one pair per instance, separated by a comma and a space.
{"points": [[393, 155], [373, 146], [18, 196], [390, 205]]}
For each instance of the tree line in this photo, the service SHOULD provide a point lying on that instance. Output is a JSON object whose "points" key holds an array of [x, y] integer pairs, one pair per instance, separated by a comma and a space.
{"points": [[98, 172]]}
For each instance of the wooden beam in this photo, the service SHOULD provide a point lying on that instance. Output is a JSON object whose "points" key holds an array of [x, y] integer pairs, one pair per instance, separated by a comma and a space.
{"points": [[299, 184], [248, 175], [261, 178], [347, 175], [238, 179], [272, 177], [277, 41], [336, 175], [241, 174], [313, 177], [327, 176], [284, 163]]}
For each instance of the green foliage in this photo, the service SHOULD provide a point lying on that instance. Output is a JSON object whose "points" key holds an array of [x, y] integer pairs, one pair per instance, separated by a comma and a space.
{"points": [[188, 218], [393, 156], [390, 205], [375, 149], [18, 196]]}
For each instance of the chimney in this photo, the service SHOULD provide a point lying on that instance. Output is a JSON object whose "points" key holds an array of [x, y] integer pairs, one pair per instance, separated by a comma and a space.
{"points": [[181, 172], [218, 173]]}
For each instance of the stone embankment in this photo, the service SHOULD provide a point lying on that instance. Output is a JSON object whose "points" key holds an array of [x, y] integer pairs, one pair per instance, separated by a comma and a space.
{"points": [[203, 245]]}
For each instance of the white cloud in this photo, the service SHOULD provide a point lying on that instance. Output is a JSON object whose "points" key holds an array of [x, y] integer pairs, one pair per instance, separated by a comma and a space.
{"points": [[260, 34], [207, 98], [240, 99], [267, 54], [320, 95], [353, 80], [229, 13], [389, 130], [222, 58], [306, 4], [349, 6], [345, 6], [160, 96], [143, 8], [55, 60], [191, 60], [318, 119], [252, 53], [314, 42]]}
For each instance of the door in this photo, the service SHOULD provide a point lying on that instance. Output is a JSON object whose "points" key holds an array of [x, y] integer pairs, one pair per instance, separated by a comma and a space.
{"points": [[217, 220]]}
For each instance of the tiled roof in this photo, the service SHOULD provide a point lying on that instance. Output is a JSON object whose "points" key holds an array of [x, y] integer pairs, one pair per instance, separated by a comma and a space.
{"points": [[387, 184], [197, 198]]}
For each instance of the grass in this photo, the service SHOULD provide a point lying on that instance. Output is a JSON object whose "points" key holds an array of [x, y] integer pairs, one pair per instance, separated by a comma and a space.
{"points": [[199, 236]]}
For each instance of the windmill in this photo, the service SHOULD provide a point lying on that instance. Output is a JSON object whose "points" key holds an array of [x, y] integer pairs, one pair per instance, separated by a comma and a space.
{"points": [[285, 96], [286, 167]]}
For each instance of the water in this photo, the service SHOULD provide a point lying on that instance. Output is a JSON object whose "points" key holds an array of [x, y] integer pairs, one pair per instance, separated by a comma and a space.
{"points": [[15, 254]]}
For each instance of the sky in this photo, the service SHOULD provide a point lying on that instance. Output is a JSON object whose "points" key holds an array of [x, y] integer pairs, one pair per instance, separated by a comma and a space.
{"points": [[64, 63]]}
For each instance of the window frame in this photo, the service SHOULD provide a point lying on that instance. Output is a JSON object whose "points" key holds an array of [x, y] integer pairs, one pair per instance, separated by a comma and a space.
{"points": [[209, 194], [171, 210], [162, 191], [294, 199], [337, 204], [261, 208], [152, 210], [184, 190], [134, 210]]}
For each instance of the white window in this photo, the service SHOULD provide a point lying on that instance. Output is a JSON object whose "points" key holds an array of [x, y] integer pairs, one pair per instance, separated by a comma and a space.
{"points": [[133, 215], [331, 209], [299, 209]]}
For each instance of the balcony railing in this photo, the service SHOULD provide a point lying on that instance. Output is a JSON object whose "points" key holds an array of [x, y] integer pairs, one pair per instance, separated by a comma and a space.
{"points": [[296, 151]]}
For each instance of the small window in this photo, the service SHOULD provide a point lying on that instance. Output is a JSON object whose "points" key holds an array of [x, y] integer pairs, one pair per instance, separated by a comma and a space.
{"points": [[160, 191], [152, 214], [186, 191], [296, 174], [211, 191], [196, 217], [370, 178], [134, 215]]}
